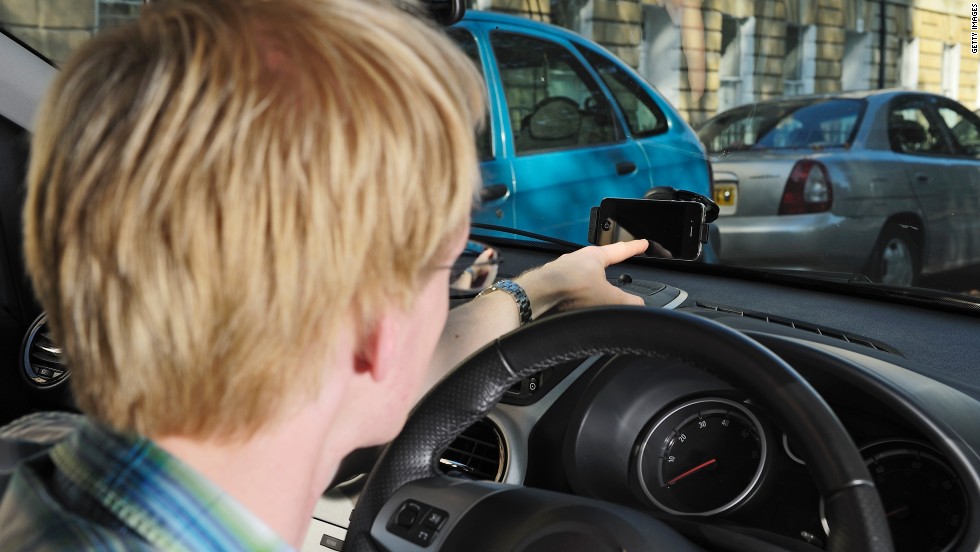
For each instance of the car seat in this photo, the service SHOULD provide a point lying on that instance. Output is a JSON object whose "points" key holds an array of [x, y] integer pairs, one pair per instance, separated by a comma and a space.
{"points": [[31, 435], [554, 122], [907, 136]]}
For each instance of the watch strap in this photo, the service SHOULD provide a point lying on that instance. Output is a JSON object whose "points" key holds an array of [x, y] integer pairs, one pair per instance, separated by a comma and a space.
{"points": [[519, 295]]}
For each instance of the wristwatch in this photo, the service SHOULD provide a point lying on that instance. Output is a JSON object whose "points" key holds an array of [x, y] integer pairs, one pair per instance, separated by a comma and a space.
{"points": [[519, 295]]}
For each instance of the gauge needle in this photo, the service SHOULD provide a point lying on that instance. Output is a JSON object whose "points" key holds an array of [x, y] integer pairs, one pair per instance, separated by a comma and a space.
{"points": [[692, 471]]}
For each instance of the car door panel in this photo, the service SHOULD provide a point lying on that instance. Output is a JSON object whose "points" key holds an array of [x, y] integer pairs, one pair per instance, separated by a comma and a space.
{"points": [[926, 156], [962, 128], [556, 177], [496, 170], [553, 202]]}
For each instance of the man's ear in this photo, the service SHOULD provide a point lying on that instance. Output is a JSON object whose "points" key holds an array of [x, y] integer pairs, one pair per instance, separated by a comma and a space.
{"points": [[376, 350]]}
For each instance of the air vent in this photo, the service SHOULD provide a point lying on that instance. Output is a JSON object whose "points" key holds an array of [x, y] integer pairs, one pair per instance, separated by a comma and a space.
{"points": [[42, 359], [478, 453], [819, 330]]}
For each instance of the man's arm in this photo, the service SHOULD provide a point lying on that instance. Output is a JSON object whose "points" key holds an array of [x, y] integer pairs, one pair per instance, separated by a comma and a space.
{"points": [[574, 280]]}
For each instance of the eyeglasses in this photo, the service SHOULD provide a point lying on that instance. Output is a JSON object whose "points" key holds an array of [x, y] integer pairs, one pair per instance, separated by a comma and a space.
{"points": [[474, 270]]}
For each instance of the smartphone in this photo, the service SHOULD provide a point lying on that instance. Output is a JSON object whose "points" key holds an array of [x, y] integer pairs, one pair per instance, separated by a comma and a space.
{"points": [[675, 229]]}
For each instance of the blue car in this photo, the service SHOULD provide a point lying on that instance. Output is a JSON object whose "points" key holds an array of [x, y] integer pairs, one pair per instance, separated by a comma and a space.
{"points": [[569, 124]]}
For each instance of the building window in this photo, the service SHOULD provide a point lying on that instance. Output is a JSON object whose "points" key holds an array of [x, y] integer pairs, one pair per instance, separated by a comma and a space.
{"points": [[660, 56], [737, 62], [909, 64], [856, 66], [951, 70], [799, 69]]}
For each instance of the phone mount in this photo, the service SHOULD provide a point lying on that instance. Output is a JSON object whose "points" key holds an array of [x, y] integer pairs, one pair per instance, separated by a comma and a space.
{"points": [[443, 12], [667, 193]]}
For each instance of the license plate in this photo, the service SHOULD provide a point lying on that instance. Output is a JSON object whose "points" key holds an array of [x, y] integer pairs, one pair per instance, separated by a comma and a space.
{"points": [[726, 196]]}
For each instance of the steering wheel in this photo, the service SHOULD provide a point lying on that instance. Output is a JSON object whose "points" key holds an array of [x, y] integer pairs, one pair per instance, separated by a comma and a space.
{"points": [[406, 485]]}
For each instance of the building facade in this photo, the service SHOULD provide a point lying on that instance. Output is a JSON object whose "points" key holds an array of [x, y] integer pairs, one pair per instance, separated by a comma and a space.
{"points": [[56, 27], [712, 55], [704, 56]]}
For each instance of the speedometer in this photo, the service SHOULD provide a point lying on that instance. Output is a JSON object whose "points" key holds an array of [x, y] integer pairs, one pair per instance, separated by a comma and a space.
{"points": [[703, 457]]}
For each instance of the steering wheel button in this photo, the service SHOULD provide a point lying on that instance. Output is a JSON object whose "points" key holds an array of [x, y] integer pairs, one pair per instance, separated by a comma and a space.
{"points": [[333, 543], [408, 515], [423, 537], [434, 519]]}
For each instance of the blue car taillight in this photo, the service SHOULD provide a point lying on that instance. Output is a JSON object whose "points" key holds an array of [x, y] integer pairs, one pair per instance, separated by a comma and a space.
{"points": [[711, 178], [808, 189]]}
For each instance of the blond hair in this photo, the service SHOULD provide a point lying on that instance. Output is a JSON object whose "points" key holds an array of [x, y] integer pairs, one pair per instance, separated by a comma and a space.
{"points": [[217, 188]]}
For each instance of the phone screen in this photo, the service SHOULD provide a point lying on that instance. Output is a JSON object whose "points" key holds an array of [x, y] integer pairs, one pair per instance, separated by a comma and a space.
{"points": [[673, 227]]}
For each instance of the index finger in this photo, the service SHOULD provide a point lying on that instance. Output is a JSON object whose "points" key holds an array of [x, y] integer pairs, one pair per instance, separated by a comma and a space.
{"points": [[620, 251]]}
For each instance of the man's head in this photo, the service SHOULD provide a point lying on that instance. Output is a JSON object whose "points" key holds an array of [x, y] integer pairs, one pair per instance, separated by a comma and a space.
{"points": [[219, 188]]}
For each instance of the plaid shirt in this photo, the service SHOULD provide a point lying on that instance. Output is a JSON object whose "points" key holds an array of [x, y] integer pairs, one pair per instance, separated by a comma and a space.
{"points": [[98, 490]]}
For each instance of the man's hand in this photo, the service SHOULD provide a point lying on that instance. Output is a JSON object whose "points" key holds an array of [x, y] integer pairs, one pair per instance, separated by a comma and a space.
{"points": [[578, 279]]}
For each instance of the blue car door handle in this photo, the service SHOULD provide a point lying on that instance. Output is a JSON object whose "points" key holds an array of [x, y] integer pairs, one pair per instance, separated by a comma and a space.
{"points": [[625, 167], [492, 192]]}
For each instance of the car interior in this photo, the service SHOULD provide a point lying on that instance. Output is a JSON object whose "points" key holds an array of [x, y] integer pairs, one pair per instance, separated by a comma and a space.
{"points": [[896, 371], [909, 135], [739, 410]]}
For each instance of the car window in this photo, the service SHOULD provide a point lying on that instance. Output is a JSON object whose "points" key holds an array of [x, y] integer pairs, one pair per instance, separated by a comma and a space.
{"points": [[911, 130], [467, 42], [643, 116], [552, 100], [964, 127], [785, 125]]}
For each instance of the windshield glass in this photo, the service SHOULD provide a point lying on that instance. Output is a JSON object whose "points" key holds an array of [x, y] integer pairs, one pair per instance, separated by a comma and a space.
{"points": [[836, 139]]}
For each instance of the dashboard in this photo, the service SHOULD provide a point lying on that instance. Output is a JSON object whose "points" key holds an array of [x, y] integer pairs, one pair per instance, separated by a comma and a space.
{"points": [[659, 436], [686, 446]]}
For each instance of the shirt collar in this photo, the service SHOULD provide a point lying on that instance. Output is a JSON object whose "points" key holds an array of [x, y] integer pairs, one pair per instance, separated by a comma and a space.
{"points": [[158, 496]]}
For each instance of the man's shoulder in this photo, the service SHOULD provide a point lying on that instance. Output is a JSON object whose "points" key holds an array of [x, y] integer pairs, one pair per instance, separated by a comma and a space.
{"points": [[33, 518]]}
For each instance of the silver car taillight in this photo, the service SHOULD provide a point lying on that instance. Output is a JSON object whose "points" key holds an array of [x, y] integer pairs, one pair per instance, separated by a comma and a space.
{"points": [[808, 189]]}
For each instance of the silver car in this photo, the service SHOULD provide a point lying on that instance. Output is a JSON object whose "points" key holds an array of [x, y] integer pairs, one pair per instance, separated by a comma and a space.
{"points": [[885, 184]]}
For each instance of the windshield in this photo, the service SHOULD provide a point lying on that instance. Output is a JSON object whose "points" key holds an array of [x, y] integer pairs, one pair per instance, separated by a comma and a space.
{"points": [[837, 140]]}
